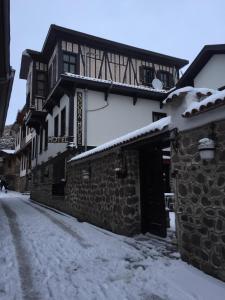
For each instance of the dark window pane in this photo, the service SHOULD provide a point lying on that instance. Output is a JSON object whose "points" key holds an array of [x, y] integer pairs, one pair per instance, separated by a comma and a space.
{"points": [[72, 59], [56, 126], [166, 78], [46, 135], [157, 116], [63, 122], [72, 69], [66, 67], [66, 57]]}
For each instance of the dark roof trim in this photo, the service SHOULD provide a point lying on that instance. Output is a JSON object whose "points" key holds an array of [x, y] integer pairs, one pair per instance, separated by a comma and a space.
{"points": [[55, 32], [27, 56], [199, 62], [65, 83]]}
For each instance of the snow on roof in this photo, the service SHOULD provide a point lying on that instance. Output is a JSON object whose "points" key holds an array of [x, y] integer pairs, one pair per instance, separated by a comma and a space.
{"points": [[8, 151], [189, 89], [140, 87], [212, 101], [153, 127]]}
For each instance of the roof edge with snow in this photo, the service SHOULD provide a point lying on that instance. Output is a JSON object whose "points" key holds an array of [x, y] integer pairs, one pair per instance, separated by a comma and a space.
{"points": [[199, 92], [154, 127], [211, 102]]}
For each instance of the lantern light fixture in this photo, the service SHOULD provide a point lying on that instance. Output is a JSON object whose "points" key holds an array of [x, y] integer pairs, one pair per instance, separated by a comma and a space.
{"points": [[206, 148]]}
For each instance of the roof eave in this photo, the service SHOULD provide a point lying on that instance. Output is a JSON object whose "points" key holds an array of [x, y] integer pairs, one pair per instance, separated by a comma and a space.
{"points": [[60, 32]]}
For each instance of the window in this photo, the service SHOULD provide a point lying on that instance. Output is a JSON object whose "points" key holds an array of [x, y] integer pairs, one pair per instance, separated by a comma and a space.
{"points": [[41, 84], [166, 78], [56, 126], [63, 122], [41, 140], [147, 74], [157, 116], [69, 62], [50, 82], [46, 135]]}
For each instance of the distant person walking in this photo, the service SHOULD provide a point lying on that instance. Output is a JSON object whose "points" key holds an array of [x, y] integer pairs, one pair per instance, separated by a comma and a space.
{"points": [[3, 184]]}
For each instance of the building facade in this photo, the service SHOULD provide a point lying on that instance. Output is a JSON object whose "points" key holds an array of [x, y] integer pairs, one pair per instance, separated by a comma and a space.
{"points": [[23, 138], [83, 91], [207, 69]]}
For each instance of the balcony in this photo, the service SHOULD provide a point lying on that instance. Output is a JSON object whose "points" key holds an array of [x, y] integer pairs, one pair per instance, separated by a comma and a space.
{"points": [[35, 119]]}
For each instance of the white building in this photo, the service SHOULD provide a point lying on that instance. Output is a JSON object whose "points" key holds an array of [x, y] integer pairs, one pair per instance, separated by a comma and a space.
{"points": [[83, 91]]}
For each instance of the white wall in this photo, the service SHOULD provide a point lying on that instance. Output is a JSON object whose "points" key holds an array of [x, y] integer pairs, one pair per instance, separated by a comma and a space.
{"points": [[118, 118], [212, 74], [53, 148]]}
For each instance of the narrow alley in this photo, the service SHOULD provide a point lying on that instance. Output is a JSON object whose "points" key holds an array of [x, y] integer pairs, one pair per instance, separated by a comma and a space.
{"points": [[45, 254]]}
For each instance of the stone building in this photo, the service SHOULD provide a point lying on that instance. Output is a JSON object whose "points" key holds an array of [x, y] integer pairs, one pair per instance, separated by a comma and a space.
{"points": [[199, 184], [118, 185]]}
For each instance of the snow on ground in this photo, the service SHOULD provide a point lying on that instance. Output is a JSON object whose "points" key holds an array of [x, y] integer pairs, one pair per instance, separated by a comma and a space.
{"points": [[48, 255]]}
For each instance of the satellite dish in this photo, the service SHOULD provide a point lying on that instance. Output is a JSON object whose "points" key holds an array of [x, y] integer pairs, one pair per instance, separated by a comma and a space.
{"points": [[157, 84]]}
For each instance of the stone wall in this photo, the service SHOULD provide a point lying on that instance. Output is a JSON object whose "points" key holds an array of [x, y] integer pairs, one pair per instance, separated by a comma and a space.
{"points": [[200, 200], [105, 199], [42, 181]]}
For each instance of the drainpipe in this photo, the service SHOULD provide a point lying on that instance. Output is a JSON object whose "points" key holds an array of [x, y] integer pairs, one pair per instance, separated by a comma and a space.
{"points": [[85, 117]]}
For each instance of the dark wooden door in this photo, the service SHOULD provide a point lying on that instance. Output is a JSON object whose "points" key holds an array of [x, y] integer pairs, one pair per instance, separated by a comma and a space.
{"points": [[152, 195]]}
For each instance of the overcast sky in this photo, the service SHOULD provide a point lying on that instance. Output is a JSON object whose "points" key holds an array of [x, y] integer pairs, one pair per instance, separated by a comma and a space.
{"points": [[174, 27]]}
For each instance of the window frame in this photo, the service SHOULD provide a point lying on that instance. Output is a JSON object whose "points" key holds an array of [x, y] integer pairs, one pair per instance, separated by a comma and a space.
{"points": [[158, 115], [169, 81], [56, 126], [44, 81], [63, 122], [70, 54], [142, 74]]}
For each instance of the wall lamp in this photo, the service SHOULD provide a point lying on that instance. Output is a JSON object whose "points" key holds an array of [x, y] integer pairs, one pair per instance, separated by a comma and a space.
{"points": [[206, 148]]}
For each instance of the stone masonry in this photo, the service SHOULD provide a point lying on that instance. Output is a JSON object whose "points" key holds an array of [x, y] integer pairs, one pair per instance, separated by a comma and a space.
{"points": [[200, 200], [105, 199]]}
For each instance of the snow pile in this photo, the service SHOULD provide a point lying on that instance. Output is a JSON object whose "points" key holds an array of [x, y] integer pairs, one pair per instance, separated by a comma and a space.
{"points": [[153, 127], [140, 87], [73, 260], [191, 90], [8, 151], [217, 98]]}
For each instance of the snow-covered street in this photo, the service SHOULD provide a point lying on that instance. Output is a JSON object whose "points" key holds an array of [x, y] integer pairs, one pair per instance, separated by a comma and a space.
{"points": [[48, 255]]}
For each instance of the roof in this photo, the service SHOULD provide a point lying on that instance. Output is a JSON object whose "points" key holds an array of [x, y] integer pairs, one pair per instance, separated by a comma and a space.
{"points": [[56, 32], [199, 92], [199, 62], [151, 128], [211, 102]]}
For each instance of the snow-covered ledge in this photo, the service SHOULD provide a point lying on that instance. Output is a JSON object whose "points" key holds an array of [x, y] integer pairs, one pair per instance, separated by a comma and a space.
{"points": [[180, 101]]}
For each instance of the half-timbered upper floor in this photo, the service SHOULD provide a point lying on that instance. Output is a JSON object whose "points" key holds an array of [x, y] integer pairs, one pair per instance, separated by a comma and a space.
{"points": [[66, 52]]}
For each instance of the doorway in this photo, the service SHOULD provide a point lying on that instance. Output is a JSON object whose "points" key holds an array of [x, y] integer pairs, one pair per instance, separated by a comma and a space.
{"points": [[153, 212]]}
